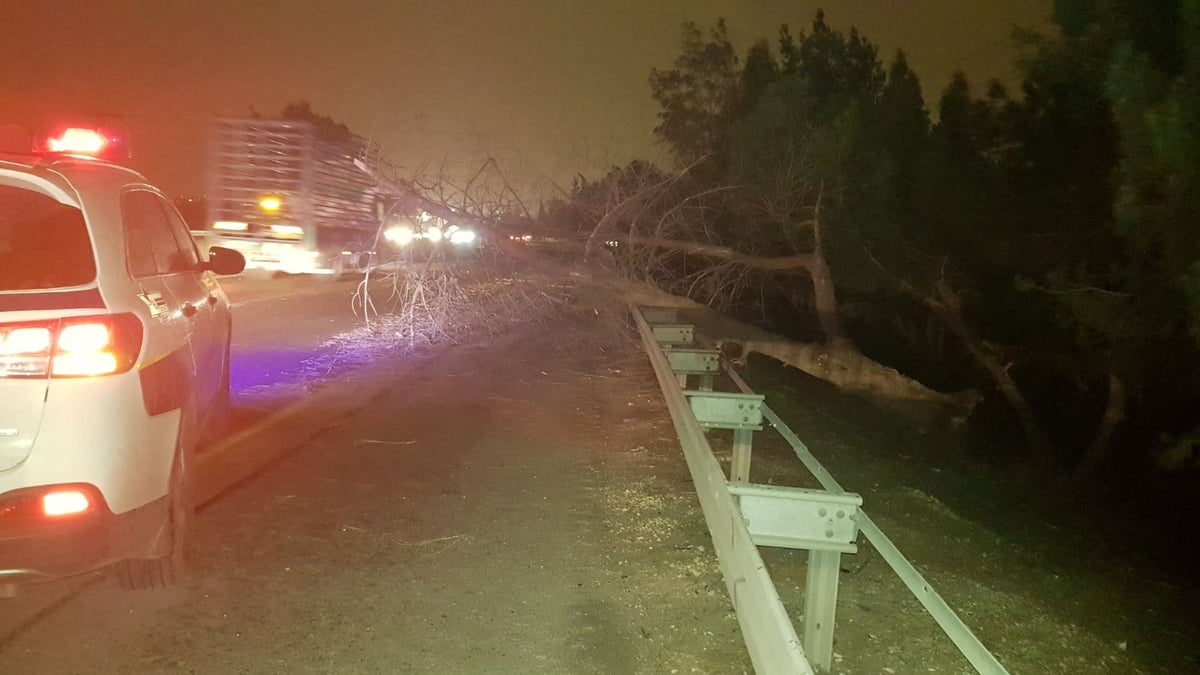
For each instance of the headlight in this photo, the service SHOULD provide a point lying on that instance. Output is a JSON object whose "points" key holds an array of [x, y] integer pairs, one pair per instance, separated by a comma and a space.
{"points": [[462, 236], [399, 235]]}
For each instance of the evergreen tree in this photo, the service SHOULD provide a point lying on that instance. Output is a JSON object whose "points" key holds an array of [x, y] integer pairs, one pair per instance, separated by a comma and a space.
{"points": [[697, 96]]}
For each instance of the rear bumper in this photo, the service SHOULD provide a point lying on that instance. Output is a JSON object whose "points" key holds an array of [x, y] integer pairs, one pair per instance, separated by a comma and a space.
{"points": [[35, 547]]}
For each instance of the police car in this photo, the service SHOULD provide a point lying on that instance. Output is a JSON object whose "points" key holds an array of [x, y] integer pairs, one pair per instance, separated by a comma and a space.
{"points": [[114, 361]]}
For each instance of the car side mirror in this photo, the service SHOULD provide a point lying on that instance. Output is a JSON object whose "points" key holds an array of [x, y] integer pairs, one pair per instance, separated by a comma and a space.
{"points": [[223, 260]]}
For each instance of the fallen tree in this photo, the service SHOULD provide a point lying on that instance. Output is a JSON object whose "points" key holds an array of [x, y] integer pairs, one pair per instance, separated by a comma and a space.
{"points": [[842, 366], [645, 221]]}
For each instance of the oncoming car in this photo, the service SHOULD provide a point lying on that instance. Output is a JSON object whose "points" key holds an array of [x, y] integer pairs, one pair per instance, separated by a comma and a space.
{"points": [[114, 360]]}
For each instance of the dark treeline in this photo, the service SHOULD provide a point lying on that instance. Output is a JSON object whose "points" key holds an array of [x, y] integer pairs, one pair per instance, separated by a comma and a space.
{"points": [[328, 129], [1039, 246]]}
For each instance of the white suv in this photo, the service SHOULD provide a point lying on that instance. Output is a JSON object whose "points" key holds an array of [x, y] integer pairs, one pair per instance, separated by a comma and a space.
{"points": [[114, 360]]}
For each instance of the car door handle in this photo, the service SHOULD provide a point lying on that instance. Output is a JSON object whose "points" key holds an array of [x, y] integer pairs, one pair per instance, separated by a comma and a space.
{"points": [[189, 310]]}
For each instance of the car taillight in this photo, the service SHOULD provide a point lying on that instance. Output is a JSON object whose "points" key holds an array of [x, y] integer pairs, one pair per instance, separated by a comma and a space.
{"points": [[74, 347], [33, 507], [65, 503], [25, 350]]}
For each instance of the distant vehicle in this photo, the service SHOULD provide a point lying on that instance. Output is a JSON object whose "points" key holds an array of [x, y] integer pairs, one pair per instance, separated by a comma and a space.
{"points": [[407, 232], [114, 362], [289, 199]]}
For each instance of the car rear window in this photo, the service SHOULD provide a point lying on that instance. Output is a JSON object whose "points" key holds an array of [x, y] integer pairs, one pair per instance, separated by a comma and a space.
{"points": [[43, 244]]}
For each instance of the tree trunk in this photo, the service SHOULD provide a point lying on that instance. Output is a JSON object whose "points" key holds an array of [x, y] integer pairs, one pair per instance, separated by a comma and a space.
{"points": [[948, 308], [1114, 414], [849, 370], [825, 300], [824, 295]]}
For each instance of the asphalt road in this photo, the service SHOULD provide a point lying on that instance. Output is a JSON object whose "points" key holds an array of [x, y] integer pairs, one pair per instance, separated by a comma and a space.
{"points": [[281, 322]]}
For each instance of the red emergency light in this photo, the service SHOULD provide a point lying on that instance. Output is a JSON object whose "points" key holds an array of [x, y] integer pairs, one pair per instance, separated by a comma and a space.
{"points": [[78, 141], [89, 141]]}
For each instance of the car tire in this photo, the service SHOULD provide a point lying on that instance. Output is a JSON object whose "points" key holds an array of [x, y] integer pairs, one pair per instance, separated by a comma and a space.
{"points": [[169, 568]]}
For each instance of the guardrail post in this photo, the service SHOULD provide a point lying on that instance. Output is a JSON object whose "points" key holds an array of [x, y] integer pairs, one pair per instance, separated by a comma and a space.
{"points": [[702, 362], [820, 606], [821, 522], [740, 412], [739, 469]]}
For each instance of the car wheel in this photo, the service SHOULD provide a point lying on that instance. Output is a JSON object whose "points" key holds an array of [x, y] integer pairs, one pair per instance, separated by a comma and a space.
{"points": [[169, 567]]}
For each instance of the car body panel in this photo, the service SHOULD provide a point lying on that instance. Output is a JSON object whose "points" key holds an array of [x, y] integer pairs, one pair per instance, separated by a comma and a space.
{"points": [[20, 419], [122, 453]]}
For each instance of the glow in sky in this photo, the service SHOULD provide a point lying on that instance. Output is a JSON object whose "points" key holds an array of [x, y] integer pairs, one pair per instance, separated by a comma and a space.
{"points": [[549, 88]]}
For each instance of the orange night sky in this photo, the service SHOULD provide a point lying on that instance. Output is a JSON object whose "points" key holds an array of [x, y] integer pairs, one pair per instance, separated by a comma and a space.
{"points": [[549, 88]]}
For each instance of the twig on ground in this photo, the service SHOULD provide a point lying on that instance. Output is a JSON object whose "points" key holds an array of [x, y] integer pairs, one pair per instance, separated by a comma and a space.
{"points": [[452, 541]]}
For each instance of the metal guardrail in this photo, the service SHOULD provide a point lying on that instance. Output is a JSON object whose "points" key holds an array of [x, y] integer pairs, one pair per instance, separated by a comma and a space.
{"points": [[740, 520], [770, 637]]}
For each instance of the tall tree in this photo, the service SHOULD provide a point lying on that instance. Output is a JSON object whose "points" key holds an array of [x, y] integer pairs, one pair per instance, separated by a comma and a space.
{"points": [[838, 67], [784, 155], [760, 71], [785, 139], [697, 95], [1109, 131]]}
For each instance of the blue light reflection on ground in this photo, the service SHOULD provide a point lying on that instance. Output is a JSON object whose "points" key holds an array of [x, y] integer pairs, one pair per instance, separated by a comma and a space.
{"points": [[251, 368]]}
